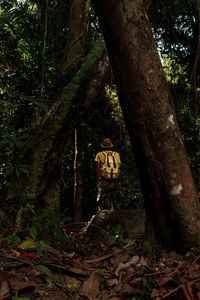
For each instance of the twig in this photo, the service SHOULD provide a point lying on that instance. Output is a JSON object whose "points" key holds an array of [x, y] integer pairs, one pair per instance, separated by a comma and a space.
{"points": [[188, 291], [176, 289], [157, 273], [171, 292], [19, 259], [111, 254], [198, 257], [72, 270]]}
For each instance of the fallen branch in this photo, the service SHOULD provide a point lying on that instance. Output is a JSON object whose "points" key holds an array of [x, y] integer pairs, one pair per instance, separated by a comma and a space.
{"points": [[111, 254], [176, 289], [73, 270]]}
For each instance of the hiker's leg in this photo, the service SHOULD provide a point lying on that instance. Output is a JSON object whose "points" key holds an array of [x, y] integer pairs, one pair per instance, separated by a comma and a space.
{"points": [[105, 195], [115, 195]]}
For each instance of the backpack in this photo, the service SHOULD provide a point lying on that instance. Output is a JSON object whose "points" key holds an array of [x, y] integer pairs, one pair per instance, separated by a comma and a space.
{"points": [[110, 168]]}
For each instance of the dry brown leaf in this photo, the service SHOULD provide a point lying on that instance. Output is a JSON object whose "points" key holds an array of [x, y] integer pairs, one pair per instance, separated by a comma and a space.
{"points": [[15, 252], [4, 288], [193, 275], [158, 292], [90, 287], [162, 280], [193, 271], [155, 293], [20, 285], [143, 262]]}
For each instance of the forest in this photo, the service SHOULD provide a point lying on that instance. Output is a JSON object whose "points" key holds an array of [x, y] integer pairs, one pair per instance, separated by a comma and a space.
{"points": [[72, 73]]}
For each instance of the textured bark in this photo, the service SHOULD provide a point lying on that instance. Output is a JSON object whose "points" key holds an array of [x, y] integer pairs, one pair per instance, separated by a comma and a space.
{"points": [[171, 204], [78, 176], [79, 83], [47, 143]]}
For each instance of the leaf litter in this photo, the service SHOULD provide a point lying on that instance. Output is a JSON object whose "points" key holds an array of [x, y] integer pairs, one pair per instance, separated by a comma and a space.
{"points": [[92, 269]]}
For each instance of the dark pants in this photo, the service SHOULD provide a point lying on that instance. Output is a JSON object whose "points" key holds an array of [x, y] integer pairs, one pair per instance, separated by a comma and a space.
{"points": [[108, 194]]}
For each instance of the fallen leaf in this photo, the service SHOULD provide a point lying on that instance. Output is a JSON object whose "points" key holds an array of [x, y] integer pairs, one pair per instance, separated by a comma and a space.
{"points": [[158, 292], [27, 244], [15, 252], [14, 282], [193, 271], [143, 262], [20, 285], [4, 288], [90, 287], [45, 270], [31, 255], [155, 293], [162, 280]]}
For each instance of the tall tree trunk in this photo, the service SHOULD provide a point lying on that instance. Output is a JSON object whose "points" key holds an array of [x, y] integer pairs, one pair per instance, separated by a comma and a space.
{"points": [[78, 176], [171, 204], [45, 146], [79, 83]]}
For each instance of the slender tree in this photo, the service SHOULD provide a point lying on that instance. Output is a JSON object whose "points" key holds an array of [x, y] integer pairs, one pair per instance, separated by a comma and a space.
{"points": [[171, 203], [78, 175]]}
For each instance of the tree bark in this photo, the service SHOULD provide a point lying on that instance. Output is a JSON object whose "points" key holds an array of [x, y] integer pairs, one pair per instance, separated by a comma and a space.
{"points": [[78, 176], [44, 148], [79, 83], [171, 203]]}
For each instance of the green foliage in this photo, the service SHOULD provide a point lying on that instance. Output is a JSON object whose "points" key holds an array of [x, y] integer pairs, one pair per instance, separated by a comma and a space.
{"points": [[14, 240], [44, 269], [27, 245], [33, 232], [102, 272], [72, 287], [117, 236], [102, 275], [48, 219], [149, 247], [22, 29]]}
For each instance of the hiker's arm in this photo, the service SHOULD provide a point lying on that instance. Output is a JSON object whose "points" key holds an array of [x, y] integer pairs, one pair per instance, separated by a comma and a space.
{"points": [[98, 173]]}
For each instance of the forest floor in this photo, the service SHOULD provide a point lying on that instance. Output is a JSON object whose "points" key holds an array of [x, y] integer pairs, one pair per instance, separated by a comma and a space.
{"points": [[93, 267]]}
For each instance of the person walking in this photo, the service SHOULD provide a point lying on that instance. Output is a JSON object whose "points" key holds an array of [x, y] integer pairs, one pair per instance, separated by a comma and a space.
{"points": [[108, 176]]}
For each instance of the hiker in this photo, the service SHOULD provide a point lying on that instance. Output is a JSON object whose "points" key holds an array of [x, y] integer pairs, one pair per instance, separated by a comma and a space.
{"points": [[108, 176]]}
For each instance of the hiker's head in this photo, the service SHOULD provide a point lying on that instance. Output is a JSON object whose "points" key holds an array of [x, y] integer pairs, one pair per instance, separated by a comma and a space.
{"points": [[106, 144]]}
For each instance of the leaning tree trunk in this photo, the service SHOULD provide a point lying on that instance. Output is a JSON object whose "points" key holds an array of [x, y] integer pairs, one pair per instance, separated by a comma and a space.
{"points": [[79, 83], [171, 204], [44, 148]]}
